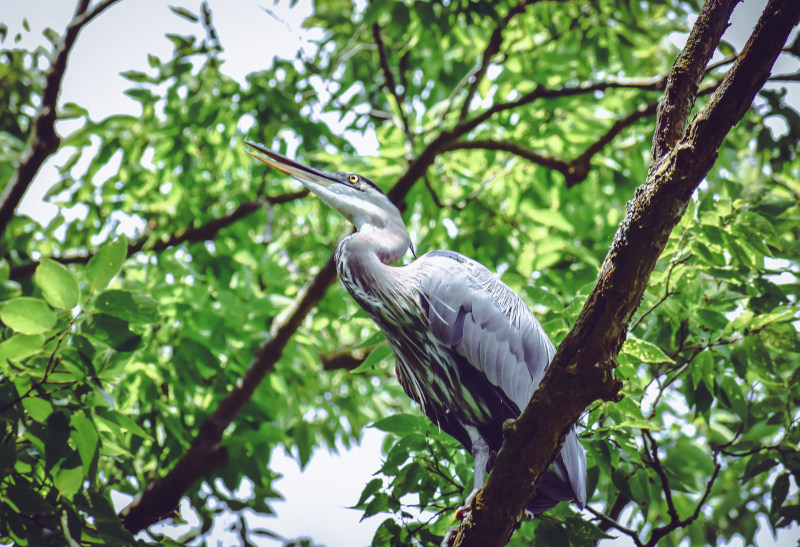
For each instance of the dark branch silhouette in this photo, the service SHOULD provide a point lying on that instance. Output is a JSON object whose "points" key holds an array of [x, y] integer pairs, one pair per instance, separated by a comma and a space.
{"points": [[44, 141]]}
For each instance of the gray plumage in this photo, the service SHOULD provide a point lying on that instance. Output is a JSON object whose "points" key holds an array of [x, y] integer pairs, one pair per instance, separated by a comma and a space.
{"points": [[467, 348]]}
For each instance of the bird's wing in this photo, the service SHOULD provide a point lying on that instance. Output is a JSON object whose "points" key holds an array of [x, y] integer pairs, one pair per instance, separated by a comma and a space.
{"points": [[482, 319]]}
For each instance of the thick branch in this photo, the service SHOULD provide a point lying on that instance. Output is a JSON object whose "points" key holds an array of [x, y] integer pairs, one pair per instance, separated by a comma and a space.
{"points": [[204, 232], [161, 497], [686, 74], [206, 452], [581, 371], [43, 140]]}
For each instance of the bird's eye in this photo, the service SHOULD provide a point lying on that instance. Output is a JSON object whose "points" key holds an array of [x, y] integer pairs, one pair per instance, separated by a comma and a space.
{"points": [[353, 179]]}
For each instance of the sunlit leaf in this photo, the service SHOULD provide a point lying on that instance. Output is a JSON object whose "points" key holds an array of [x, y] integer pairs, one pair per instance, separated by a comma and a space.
{"points": [[59, 286], [106, 263], [27, 315]]}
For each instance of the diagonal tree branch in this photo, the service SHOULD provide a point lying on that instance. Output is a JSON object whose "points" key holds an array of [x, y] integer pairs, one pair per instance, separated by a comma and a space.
{"points": [[204, 232], [43, 140], [161, 497], [581, 371], [685, 76]]}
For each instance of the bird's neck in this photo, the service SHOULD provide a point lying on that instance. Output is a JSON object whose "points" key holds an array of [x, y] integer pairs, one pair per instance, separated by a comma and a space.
{"points": [[363, 260]]}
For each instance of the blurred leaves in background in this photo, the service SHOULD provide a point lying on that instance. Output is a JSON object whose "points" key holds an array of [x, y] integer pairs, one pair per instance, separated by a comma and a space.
{"points": [[115, 349]]}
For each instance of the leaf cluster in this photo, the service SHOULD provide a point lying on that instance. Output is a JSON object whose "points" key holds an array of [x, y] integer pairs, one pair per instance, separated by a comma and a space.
{"points": [[178, 255]]}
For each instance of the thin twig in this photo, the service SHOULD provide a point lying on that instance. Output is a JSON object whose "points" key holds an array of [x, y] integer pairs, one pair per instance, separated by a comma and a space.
{"points": [[390, 84], [611, 523], [492, 48], [204, 232]]}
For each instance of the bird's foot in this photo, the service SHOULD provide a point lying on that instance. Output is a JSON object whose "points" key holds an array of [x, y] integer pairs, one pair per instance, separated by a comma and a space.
{"points": [[462, 511]]}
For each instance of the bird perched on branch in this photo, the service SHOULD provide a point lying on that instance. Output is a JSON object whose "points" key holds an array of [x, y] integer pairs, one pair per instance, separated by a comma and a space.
{"points": [[467, 348]]}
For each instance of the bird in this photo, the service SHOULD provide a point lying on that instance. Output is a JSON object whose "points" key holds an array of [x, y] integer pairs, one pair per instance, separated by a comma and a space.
{"points": [[467, 348]]}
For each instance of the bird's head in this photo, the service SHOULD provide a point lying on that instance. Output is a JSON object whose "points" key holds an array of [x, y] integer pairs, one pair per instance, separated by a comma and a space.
{"points": [[356, 198]]}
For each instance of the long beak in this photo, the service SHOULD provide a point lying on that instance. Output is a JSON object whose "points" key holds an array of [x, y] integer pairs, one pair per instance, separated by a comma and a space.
{"points": [[298, 171]]}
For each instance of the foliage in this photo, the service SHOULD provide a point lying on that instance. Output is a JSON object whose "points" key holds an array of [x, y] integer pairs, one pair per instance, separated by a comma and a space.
{"points": [[108, 366]]}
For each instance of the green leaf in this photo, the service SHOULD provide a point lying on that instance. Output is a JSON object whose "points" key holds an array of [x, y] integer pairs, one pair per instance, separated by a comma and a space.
{"points": [[20, 346], [123, 421], [55, 438], [59, 286], [400, 424], [645, 351], [779, 491], [69, 481], [112, 331], [84, 438], [712, 319], [185, 13], [758, 464], [776, 316], [106, 263], [304, 440], [376, 356], [39, 409], [372, 486], [544, 297], [135, 308], [375, 339], [28, 315], [378, 504]]}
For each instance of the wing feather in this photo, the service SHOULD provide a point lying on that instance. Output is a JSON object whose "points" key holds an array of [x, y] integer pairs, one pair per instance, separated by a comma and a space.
{"points": [[482, 319], [497, 333]]}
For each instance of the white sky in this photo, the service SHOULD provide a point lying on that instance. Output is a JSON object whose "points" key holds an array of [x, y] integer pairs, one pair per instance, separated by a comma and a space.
{"points": [[120, 39]]}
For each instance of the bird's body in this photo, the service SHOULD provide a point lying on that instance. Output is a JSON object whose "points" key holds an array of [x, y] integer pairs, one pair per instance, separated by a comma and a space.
{"points": [[467, 348]]}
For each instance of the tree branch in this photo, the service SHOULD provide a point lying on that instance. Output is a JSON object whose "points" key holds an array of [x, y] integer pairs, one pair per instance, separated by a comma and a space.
{"points": [[607, 522], [492, 48], [613, 514], [676, 522], [686, 74], [581, 370], [390, 84], [575, 170], [43, 140], [344, 360], [161, 497], [204, 232]]}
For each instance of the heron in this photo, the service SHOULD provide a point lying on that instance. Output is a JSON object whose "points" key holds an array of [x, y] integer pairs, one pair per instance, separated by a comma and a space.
{"points": [[467, 348]]}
